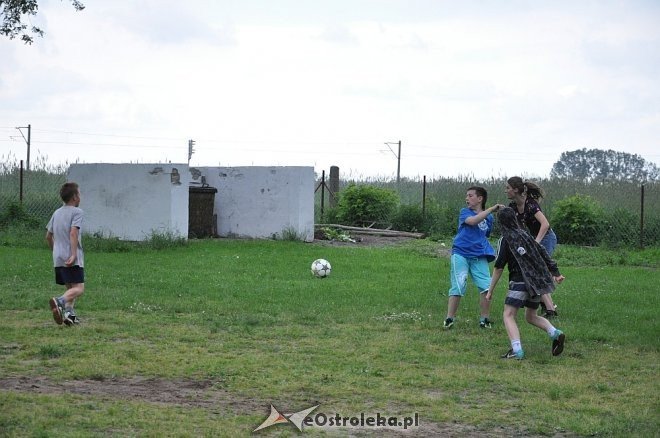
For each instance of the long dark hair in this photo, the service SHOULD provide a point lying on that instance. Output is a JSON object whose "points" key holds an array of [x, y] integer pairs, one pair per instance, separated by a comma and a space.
{"points": [[480, 191], [532, 190]]}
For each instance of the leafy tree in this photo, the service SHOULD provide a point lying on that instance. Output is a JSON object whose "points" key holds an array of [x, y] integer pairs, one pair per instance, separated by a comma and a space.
{"points": [[588, 165], [13, 13]]}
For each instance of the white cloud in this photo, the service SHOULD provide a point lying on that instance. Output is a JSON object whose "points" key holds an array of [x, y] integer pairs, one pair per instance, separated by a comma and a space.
{"points": [[470, 87]]}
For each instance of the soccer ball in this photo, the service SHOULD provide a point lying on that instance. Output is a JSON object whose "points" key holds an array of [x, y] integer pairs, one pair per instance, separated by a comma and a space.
{"points": [[321, 268]]}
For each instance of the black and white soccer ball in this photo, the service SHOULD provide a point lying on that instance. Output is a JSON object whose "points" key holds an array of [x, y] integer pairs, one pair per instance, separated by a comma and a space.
{"points": [[321, 268]]}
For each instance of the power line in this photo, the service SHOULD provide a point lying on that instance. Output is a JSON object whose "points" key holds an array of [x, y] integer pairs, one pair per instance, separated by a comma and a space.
{"points": [[107, 135], [207, 145], [119, 145], [212, 140], [477, 150], [277, 142], [298, 152]]}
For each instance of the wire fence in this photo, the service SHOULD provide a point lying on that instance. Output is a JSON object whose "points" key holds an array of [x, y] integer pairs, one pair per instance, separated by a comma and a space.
{"points": [[35, 191], [623, 213], [628, 214]]}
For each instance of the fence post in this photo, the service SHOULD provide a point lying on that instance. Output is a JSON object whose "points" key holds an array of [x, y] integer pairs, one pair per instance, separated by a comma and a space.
{"points": [[424, 198], [641, 220], [334, 185], [322, 194], [20, 185]]}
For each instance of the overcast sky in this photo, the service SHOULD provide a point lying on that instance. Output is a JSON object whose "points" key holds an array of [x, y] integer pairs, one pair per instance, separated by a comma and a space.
{"points": [[482, 88]]}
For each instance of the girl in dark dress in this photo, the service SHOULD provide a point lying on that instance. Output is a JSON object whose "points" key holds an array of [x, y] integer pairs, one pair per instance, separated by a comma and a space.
{"points": [[525, 196]]}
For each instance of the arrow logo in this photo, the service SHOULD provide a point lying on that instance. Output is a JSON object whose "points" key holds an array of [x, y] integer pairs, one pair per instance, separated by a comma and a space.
{"points": [[275, 417]]}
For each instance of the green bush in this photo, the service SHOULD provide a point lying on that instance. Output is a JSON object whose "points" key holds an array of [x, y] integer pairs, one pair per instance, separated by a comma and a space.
{"points": [[578, 220], [410, 218], [330, 216], [442, 220], [15, 213], [362, 205], [437, 222]]}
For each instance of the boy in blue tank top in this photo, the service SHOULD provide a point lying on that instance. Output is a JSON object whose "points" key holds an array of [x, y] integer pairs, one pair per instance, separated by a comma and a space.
{"points": [[471, 253]]}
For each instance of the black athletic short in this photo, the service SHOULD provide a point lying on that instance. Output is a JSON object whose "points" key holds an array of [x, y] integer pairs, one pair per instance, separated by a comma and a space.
{"points": [[518, 297], [69, 275]]}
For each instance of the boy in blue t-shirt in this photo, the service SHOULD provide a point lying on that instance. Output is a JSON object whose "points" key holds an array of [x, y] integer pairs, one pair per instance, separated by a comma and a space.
{"points": [[471, 253]]}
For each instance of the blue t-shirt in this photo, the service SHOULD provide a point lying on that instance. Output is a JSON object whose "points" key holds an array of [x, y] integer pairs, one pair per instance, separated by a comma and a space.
{"points": [[472, 240]]}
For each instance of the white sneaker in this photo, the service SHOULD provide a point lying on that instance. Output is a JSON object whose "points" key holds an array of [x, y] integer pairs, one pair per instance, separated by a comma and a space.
{"points": [[69, 318]]}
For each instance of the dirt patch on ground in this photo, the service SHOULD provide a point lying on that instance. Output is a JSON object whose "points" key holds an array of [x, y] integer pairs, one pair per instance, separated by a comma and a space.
{"points": [[367, 240], [206, 394], [192, 393]]}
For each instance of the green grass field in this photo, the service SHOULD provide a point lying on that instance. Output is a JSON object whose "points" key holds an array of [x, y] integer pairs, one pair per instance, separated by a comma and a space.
{"points": [[200, 339]]}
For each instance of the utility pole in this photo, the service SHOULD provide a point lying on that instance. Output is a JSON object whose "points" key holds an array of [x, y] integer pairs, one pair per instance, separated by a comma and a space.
{"points": [[27, 140], [398, 165], [191, 150], [398, 160]]}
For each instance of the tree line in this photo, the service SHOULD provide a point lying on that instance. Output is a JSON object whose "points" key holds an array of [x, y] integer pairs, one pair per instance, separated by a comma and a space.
{"points": [[597, 165]]}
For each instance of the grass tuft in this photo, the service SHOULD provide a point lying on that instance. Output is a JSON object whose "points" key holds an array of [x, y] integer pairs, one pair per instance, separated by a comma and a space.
{"points": [[50, 352]]}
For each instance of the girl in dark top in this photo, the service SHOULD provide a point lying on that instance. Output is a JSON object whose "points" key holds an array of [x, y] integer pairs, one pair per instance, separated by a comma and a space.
{"points": [[524, 196], [532, 275]]}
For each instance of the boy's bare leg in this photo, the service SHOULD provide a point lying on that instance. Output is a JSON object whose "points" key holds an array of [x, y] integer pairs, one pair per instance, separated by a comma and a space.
{"points": [[537, 321], [484, 304], [546, 299], [452, 307], [73, 291], [509, 319], [557, 336]]}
